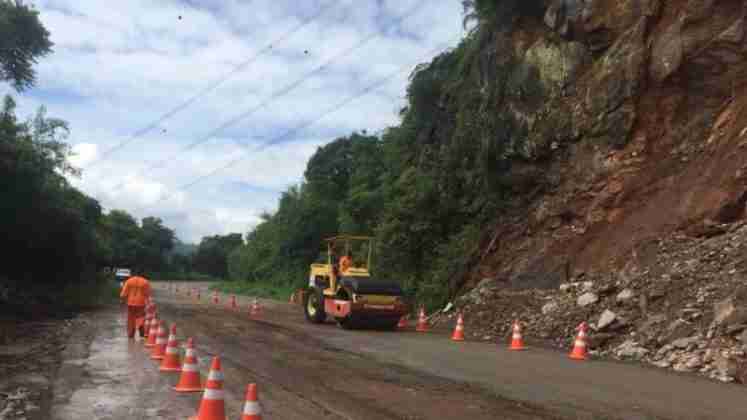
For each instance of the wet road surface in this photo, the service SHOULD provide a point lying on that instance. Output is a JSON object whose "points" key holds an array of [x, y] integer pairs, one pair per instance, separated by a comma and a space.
{"points": [[299, 376], [322, 372]]}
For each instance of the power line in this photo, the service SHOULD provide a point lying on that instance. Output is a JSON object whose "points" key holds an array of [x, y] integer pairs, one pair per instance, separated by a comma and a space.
{"points": [[279, 139], [214, 85], [272, 98]]}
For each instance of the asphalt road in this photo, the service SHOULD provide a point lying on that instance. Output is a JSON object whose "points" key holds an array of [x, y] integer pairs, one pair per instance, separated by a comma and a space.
{"points": [[322, 372]]}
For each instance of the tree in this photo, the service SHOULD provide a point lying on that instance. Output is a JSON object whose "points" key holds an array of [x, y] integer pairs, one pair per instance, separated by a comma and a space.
{"points": [[23, 39], [157, 241], [124, 238], [212, 254], [51, 229]]}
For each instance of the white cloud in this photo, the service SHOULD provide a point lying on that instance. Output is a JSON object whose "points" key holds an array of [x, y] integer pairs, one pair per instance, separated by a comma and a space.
{"points": [[118, 66], [83, 154]]}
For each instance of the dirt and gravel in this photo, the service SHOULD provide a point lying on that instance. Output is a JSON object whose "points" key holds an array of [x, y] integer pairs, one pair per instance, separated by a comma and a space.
{"points": [[322, 372]]}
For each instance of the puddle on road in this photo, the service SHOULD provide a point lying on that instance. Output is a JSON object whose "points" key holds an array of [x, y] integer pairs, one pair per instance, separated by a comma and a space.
{"points": [[120, 382]]}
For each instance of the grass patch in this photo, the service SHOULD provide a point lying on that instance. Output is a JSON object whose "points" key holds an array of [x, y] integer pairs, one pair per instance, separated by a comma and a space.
{"points": [[261, 290]]}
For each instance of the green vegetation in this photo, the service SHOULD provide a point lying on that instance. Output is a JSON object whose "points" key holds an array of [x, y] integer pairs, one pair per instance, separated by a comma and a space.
{"points": [[23, 39], [261, 290], [56, 239], [211, 256], [425, 189]]}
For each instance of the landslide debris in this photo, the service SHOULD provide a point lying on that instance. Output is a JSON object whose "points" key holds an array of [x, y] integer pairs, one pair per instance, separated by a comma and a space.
{"points": [[685, 311]]}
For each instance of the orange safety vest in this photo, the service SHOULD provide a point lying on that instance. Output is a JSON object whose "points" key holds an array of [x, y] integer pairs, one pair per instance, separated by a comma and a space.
{"points": [[137, 291]]}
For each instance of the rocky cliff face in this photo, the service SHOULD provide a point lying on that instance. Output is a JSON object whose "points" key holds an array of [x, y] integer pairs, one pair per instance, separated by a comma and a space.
{"points": [[641, 131], [637, 159]]}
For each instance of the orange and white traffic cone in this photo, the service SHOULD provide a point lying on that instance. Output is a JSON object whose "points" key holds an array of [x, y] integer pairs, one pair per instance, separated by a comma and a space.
{"points": [[517, 342], [252, 409], [170, 362], [153, 334], [402, 322], [579, 345], [212, 406], [215, 298], [162, 339], [422, 325], [254, 309], [189, 381], [459, 329]]}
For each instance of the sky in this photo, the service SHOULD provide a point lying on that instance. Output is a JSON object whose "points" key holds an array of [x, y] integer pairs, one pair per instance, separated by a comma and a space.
{"points": [[202, 112]]}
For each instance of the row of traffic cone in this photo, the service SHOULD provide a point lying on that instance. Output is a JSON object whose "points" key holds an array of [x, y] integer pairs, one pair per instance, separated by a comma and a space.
{"points": [[166, 350], [254, 308], [578, 351]]}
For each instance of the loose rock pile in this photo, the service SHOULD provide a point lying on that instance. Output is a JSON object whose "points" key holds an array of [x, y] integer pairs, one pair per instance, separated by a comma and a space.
{"points": [[685, 311]]}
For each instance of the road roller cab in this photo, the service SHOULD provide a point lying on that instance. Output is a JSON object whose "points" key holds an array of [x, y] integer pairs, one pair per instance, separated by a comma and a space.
{"points": [[354, 298]]}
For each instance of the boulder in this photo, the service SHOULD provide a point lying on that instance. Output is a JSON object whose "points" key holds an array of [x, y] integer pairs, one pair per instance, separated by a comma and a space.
{"points": [[734, 329], [631, 349], [677, 329], [732, 310], [693, 362], [683, 343], [606, 319], [723, 310], [549, 308], [625, 295], [587, 299]]}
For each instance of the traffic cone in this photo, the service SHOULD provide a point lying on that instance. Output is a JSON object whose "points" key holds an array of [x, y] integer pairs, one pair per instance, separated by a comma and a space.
{"points": [[517, 343], [402, 322], [212, 406], [215, 298], [254, 309], [422, 325], [170, 362], [459, 329], [189, 380], [159, 350], [579, 345], [152, 335], [252, 410], [233, 302]]}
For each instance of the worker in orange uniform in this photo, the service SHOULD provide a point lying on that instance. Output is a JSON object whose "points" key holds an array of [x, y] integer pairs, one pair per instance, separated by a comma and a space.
{"points": [[136, 292], [346, 262]]}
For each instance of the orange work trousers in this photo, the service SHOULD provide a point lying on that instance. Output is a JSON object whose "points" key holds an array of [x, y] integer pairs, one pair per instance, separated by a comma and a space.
{"points": [[135, 320]]}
